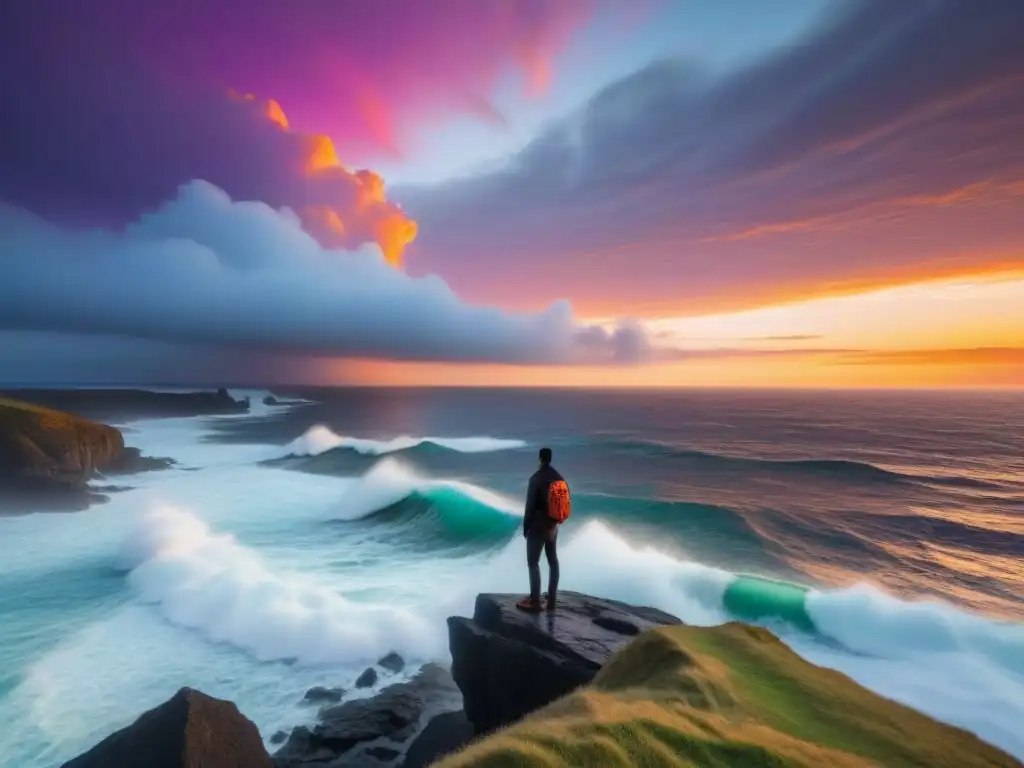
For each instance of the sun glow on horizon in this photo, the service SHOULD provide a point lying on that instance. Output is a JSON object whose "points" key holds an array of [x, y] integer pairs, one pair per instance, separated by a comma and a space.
{"points": [[951, 333]]}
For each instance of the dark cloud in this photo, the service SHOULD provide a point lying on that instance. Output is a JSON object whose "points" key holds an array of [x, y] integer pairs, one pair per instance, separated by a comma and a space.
{"points": [[44, 358], [892, 118], [204, 270]]}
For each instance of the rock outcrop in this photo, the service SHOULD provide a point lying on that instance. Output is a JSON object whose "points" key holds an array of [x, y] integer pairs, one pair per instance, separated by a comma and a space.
{"points": [[371, 732], [508, 663], [47, 457], [188, 730], [131, 461]]}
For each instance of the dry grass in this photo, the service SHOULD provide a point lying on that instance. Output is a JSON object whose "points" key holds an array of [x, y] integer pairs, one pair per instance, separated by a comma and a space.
{"points": [[725, 697]]}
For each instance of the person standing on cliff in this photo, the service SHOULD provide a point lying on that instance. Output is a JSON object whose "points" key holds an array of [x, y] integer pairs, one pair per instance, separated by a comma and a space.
{"points": [[547, 506]]}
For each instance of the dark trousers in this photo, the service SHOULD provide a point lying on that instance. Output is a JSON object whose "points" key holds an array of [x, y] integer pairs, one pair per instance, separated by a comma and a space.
{"points": [[547, 540]]}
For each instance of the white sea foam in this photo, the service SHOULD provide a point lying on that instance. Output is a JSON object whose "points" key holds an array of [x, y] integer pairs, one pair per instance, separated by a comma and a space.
{"points": [[320, 439], [869, 621], [209, 582]]}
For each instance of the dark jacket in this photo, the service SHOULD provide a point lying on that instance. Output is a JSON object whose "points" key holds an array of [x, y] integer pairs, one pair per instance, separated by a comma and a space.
{"points": [[536, 515]]}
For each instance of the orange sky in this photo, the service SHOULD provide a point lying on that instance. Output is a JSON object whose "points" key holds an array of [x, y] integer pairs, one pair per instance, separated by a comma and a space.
{"points": [[940, 333]]}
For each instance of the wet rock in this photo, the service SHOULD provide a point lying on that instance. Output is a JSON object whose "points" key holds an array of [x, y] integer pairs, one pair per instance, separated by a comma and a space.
{"points": [[278, 737], [374, 730], [318, 694], [444, 734], [131, 461], [508, 662], [392, 662], [368, 679], [188, 730]]}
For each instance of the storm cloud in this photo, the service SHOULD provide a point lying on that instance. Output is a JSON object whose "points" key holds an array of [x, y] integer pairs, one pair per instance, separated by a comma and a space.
{"points": [[205, 270]]}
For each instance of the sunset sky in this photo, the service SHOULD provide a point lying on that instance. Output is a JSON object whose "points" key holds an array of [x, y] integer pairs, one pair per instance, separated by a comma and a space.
{"points": [[812, 193]]}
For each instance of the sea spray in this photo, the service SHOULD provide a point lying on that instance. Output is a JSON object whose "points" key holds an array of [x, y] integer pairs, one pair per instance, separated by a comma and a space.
{"points": [[209, 582]]}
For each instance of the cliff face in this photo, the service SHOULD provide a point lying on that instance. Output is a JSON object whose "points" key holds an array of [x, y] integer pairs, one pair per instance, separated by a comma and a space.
{"points": [[40, 447], [508, 663]]}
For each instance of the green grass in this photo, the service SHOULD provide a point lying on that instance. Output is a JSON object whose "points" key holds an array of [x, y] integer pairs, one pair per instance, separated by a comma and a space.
{"points": [[732, 696]]}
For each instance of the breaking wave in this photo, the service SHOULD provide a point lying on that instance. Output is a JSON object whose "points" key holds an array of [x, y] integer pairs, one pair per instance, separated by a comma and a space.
{"points": [[209, 582], [320, 439]]}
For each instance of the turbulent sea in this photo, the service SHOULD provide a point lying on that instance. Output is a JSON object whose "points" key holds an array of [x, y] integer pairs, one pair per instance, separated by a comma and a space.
{"points": [[880, 534]]}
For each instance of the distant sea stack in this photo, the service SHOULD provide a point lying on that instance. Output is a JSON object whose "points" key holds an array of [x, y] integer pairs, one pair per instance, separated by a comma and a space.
{"points": [[47, 457]]}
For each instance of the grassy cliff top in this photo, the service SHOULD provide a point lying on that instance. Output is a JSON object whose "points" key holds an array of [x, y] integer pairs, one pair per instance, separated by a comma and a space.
{"points": [[732, 696], [18, 413]]}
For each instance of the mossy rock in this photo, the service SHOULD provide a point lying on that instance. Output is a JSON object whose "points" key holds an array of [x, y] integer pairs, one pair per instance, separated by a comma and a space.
{"points": [[725, 697]]}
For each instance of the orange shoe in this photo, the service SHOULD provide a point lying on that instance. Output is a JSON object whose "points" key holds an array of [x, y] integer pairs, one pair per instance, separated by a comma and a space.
{"points": [[527, 604]]}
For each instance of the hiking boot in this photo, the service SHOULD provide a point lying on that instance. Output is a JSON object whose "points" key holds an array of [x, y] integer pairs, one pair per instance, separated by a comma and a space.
{"points": [[549, 603]]}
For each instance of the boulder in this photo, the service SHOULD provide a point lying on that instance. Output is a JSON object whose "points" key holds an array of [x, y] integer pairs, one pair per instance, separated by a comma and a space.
{"points": [[392, 663], [372, 731], [368, 679], [508, 662], [318, 694], [271, 400], [188, 730]]}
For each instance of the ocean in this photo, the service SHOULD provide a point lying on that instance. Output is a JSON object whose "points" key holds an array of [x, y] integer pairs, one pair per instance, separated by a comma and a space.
{"points": [[878, 533]]}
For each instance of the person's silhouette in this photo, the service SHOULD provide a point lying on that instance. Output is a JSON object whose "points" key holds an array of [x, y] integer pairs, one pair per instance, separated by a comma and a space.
{"points": [[547, 505]]}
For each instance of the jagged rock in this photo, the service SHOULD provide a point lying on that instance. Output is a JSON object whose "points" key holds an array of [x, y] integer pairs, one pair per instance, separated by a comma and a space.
{"points": [[189, 730], [444, 734], [368, 679], [392, 662], [508, 663], [318, 694], [131, 460], [371, 731]]}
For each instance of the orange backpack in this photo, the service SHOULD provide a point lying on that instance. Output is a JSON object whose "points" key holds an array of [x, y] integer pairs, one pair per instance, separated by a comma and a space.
{"points": [[558, 501]]}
